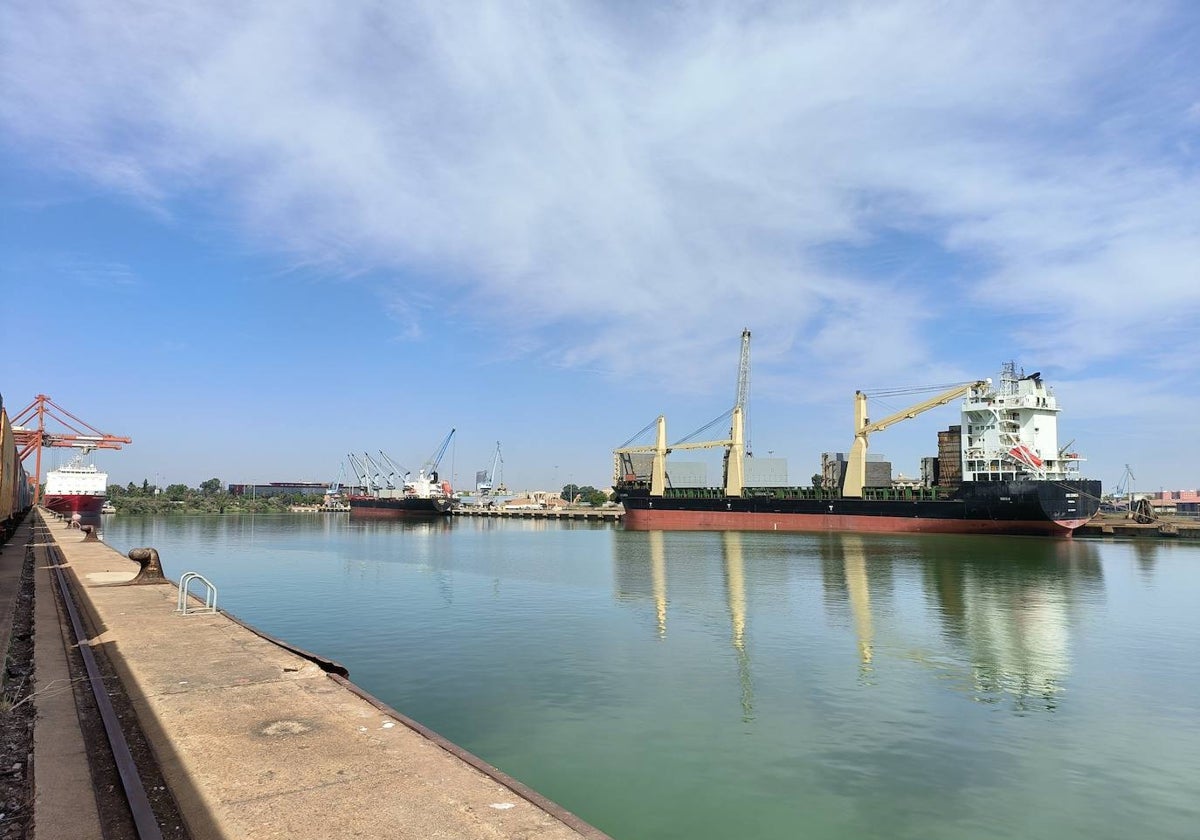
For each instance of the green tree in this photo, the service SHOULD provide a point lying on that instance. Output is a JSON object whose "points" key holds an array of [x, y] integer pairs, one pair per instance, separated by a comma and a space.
{"points": [[596, 498], [210, 487], [177, 492], [587, 494]]}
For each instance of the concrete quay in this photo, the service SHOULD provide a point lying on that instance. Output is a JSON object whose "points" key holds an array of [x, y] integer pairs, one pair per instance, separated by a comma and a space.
{"points": [[1167, 529], [256, 740]]}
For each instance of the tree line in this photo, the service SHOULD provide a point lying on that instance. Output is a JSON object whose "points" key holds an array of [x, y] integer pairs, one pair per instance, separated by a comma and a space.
{"points": [[210, 497]]}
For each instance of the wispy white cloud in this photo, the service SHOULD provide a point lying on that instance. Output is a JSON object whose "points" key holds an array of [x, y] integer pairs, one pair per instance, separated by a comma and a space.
{"points": [[100, 275], [610, 177]]}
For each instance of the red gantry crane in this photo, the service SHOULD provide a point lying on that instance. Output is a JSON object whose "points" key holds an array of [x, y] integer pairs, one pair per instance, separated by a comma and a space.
{"points": [[30, 434]]}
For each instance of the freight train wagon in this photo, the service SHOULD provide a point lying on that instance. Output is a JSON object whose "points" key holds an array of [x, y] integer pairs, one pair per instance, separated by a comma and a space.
{"points": [[16, 494]]}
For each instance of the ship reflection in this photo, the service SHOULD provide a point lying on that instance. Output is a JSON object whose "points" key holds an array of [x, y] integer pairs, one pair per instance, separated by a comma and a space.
{"points": [[1003, 609], [860, 598], [735, 599], [1006, 606], [633, 581], [658, 579], [411, 525], [1145, 551]]}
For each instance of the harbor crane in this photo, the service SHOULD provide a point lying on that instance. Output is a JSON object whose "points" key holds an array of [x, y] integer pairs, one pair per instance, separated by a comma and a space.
{"points": [[485, 482], [377, 474], [1124, 488], [430, 466], [338, 483], [369, 474], [396, 468], [360, 471], [32, 438], [735, 443], [856, 465]]}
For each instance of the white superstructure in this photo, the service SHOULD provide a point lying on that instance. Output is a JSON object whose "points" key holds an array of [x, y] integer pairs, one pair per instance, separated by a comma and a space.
{"points": [[76, 478], [1010, 432], [424, 486]]}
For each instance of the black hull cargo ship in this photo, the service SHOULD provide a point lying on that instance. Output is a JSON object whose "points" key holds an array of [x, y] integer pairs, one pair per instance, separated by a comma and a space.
{"points": [[1034, 508], [392, 493], [999, 472], [372, 506]]}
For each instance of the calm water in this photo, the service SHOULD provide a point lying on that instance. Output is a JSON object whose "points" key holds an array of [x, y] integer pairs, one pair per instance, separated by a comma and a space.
{"points": [[707, 685]]}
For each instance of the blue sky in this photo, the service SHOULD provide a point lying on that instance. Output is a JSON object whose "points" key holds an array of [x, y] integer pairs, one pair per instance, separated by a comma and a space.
{"points": [[256, 236]]}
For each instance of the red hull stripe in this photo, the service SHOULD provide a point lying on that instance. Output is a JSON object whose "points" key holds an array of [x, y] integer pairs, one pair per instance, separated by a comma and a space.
{"points": [[73, 503], [688, 520], [392, 513]]}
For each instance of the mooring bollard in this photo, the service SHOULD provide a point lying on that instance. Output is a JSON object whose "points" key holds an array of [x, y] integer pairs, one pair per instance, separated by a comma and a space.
{"points": [[89, 533], [151, 571]]}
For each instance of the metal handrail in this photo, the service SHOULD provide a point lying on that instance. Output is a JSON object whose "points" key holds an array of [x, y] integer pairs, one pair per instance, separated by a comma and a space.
{"points": [[210, 594]]}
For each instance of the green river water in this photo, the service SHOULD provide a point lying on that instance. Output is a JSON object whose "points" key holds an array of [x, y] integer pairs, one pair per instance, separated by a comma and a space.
{"points": [[755, 685]]}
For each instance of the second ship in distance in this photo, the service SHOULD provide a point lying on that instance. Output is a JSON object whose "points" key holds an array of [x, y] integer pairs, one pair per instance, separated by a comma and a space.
{"points": [[390, 491]]}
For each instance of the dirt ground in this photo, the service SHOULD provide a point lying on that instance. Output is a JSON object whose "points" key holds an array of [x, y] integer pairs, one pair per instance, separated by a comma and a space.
{"points": [[110, 796], [16, 718], [17, 714]]}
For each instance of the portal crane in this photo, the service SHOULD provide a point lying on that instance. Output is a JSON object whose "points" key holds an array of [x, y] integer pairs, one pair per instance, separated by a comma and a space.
{"points": [[359, 468], [1124, 487], [29, 439], [377, 476], [396, 468], [489, 482], [856, 466], [335, 486]]}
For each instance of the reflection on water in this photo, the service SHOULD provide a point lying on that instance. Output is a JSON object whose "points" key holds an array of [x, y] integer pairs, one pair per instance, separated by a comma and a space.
{"points": [[1012, 610], [735, 595], [1146, 551], [658, 577], [860, 596], [1005, 604]]}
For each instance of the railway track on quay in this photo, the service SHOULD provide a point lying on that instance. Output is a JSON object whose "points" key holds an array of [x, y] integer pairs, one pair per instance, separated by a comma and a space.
{"points": [[88, 769]]}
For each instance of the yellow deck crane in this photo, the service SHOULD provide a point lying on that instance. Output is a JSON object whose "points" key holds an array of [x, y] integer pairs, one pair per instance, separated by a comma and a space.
{"points": [[734, 461], [735, 444], [856, 467]]}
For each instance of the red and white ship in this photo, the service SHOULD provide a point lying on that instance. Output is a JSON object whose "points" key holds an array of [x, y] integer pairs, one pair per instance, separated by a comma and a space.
{"points": [[76, 487]]}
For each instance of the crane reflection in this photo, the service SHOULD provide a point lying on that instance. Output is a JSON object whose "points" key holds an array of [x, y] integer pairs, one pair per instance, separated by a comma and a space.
{"points": [[1002, 609]]}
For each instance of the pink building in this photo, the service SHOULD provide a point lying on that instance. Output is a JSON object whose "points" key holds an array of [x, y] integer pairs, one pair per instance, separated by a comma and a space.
{"points": [[1176, 496]]}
